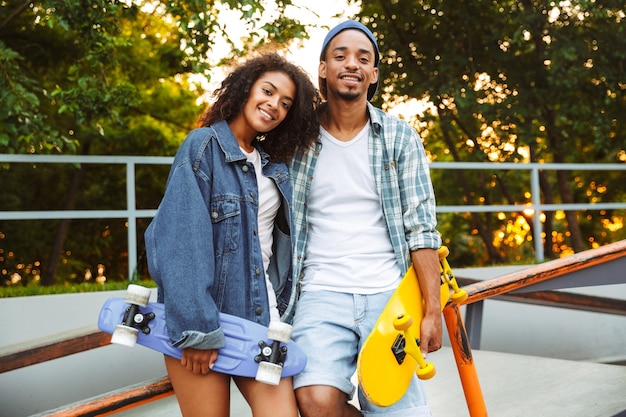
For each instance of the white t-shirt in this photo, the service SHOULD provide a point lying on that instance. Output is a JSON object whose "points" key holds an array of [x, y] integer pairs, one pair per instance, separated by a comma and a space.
{"points": [[269, 202], [348, 246]]}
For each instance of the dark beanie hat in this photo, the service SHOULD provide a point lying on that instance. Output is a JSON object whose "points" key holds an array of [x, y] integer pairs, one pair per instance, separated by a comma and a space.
{"points": [[353, 24]]}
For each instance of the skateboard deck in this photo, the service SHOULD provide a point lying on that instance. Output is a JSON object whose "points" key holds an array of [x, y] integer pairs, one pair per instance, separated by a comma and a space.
{"points": [[391, 353], [251, 350]]}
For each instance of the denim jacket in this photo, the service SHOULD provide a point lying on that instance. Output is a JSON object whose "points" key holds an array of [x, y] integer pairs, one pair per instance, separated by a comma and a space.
{"points": [[202, 245]]}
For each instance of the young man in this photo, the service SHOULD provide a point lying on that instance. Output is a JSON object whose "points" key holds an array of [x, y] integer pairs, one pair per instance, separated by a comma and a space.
{"points": [[364, 212]]}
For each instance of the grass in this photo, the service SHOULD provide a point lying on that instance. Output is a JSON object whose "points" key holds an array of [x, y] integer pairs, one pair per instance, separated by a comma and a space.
{"points": [[30, 290]]}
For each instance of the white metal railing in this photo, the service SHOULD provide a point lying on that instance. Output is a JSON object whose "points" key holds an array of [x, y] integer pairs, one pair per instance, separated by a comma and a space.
{"points": [[132, 213], [536, 206]]}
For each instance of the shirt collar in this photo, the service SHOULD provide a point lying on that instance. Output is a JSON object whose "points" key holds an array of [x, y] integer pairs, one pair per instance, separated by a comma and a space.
{"points": [[375, 119]]}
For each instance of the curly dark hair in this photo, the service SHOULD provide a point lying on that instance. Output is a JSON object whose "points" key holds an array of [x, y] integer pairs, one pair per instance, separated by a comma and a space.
{"points": [[301, 126]]}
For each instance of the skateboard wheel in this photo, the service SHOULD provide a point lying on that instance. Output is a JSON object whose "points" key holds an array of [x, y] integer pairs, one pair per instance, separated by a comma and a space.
{"points": [[279, 331], [402, 322], [459, 297], [137, 294], [443, 252], [269, 373], [426, 372], [124, 335]]}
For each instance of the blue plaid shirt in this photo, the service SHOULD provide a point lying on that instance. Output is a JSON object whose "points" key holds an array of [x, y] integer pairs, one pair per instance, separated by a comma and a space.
{"points": [[402, 178]]}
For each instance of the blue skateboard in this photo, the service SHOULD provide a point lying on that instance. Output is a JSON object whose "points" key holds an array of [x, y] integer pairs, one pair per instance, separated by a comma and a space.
{"points": [[251, 350]]}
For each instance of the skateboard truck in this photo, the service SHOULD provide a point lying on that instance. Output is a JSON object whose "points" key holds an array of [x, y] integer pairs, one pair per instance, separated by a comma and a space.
{"points": [[405, 344], [447, 276], [398, 348], [133, 317], [272, 356], [273, 353], [133, 320]]}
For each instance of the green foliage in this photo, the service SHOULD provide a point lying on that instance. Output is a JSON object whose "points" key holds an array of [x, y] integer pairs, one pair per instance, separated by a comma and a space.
{"points": [[508, 81], [65, 67], [66, 288], [105, 78], [511, 81], [23, 126]]}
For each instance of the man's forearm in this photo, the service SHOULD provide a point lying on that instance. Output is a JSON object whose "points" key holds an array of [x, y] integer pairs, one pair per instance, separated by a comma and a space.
{"points": [[426, 265]]}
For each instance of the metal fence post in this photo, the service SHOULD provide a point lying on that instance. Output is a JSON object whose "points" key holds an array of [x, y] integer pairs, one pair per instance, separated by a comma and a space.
{"points": [[131, 207]]}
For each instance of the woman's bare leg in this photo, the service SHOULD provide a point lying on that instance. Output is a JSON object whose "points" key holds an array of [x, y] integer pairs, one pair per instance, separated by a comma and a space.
{"points": [[199, 395], [269, 400]]}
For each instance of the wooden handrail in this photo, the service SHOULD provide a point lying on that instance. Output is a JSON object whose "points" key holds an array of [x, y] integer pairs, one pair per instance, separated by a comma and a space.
{"points": [[116, 401], [552, 269], [560, 299], [32, 352]]}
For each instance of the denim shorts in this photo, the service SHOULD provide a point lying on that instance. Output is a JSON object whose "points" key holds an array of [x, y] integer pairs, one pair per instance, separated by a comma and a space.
{"points": [[331, 328]]}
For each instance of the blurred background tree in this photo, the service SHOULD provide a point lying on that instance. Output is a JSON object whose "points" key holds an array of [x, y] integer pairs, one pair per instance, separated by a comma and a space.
{"points": [[512, 81], [507, 81], [105, 77]]}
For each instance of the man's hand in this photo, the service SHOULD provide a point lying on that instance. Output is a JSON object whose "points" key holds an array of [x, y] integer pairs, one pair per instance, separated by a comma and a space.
{"points": [[426, 265], [198, 361], [430, 333]]}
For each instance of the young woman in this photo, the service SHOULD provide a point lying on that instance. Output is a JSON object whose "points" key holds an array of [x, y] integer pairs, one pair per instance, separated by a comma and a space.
{"points": [[220, 240]]}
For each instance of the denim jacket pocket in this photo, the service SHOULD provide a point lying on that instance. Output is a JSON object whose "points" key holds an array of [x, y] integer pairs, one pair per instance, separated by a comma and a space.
{"points": [[226, 219]]}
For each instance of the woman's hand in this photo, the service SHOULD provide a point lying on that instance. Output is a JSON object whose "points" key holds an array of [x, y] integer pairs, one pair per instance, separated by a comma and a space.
{"points": [[198, 361]]}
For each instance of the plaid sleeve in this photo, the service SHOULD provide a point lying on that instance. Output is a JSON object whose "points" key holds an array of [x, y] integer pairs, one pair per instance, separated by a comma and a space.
{"points": [[416, 218]]}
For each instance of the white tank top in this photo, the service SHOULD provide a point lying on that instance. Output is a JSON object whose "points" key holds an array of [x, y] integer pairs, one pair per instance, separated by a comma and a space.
{"points": [[348, 246], [269, 202]]}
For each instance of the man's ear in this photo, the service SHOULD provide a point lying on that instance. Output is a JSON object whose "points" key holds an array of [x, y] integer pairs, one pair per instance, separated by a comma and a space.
{"points": [[374, 76], [321, 70]]}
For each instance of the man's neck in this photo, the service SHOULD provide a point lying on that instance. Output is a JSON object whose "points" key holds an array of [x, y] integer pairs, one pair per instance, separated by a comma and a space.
{"points": [[344, 119]]}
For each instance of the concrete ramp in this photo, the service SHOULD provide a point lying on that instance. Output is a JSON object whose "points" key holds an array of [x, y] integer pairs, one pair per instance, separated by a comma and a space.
{"points": [[512, 385], [518, 385]]}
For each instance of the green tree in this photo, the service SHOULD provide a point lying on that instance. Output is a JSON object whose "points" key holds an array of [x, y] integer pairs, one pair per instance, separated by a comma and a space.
{"points": [[110, 77], [516, 81]]}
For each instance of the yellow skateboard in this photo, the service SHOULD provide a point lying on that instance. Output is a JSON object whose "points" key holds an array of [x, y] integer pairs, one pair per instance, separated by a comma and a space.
{"points": [[391, 353]]}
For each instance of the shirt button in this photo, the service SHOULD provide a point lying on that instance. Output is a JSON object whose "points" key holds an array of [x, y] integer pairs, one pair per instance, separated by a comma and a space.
{"points": [[214, 215], [258, 311], [245, 168], [257, 271]]}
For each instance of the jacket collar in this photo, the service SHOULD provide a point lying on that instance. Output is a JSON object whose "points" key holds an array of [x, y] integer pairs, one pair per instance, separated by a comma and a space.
{"points": [[229, 145]]}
